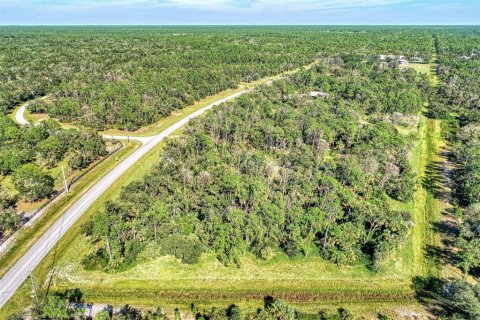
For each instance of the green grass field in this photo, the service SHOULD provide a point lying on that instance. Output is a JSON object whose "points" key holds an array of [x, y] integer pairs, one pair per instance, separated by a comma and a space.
{"points": [[428, 69]]}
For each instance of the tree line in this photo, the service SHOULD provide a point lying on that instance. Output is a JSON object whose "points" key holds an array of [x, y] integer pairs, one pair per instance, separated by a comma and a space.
{"points": [[54, 307], [456, 101]]}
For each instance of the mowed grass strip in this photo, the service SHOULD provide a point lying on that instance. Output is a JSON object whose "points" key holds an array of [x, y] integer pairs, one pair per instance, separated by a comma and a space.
{"points": [[300, 295]]}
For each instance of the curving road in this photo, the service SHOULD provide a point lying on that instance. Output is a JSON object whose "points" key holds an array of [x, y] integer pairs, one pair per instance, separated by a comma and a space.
{"points": [[20, 118], [20, 271]]}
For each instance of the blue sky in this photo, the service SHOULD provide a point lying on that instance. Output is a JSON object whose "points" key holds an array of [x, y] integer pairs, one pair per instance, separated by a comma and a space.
{"points": [[167, 12]]}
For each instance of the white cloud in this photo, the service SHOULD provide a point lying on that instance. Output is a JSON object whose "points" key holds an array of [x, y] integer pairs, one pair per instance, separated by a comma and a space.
{"points": [[322, 4], [264, 5], [208, 5]]}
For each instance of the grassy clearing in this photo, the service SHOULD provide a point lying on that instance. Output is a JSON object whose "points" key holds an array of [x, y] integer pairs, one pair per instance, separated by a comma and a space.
{"points": [[420, 67], [433, 205], [427, 68]]}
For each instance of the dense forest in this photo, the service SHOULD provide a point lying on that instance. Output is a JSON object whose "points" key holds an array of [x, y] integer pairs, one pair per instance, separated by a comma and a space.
{"points": [[457, 100], [279, 169], [125, 78], [26, 153]]}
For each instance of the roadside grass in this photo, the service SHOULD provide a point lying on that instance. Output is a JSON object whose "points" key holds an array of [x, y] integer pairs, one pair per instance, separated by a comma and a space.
{"points": [[29, 235], [55, 172], [39, 117], [175, 116], [26, 239], [23, 296], [11, 115], [27, 207]]}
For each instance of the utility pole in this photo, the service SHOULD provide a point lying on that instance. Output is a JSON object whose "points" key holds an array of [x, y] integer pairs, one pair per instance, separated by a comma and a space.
{"points": [[65, 180], [35, 286], [49, 283]]}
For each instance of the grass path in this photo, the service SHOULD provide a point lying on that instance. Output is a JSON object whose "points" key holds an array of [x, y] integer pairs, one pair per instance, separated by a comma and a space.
{"points": [[438, 193], [437, 183], [441, 194]]}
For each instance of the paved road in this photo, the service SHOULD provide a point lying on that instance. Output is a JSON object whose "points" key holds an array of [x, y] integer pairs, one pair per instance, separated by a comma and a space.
{"points": [[20, 118], [20, 271], [19, 114]]}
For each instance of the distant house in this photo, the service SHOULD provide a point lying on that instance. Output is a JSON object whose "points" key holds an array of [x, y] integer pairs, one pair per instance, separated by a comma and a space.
{"points": [[403, 62], [312, 94], [417, 60], [316, 94], [465, 57]]}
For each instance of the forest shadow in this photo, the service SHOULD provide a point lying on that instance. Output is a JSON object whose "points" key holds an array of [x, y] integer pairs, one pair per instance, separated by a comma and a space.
{"points": [[433, 181], [72, 295], [428, 291], [439, 255], [449, 228]]}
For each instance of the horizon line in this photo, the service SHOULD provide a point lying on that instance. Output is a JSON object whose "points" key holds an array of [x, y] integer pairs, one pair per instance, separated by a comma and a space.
{"points": [[239, 25]]}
